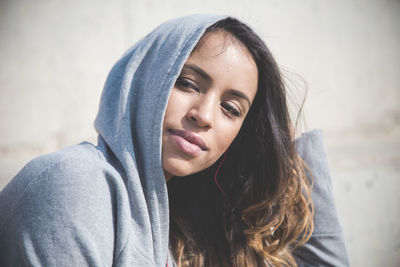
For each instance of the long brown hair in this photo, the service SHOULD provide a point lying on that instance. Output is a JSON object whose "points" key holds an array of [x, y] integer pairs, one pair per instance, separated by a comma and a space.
{"points": [[264, 209]]}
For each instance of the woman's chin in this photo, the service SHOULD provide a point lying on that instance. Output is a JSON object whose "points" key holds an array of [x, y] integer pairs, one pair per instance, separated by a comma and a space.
{"points": [[177, 167]]}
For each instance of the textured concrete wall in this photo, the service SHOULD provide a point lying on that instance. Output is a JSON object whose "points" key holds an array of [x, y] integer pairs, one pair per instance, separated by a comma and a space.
{"points": [[56, 54]]}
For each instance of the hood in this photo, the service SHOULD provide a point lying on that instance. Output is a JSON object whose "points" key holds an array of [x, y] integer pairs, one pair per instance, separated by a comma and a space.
{"points": [[130, 118]]}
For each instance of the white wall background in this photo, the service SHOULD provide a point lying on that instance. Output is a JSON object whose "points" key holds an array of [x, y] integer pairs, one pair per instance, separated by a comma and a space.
{"points": [[55, 56]]}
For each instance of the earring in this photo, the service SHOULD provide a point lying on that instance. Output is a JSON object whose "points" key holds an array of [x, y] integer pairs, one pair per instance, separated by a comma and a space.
{"points": [[216, 174]]}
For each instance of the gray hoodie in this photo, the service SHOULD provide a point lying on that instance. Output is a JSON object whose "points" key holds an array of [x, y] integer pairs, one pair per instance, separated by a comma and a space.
{"points": [[107, 204]]}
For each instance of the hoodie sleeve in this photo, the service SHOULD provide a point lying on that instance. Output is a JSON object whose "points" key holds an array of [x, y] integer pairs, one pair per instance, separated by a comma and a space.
{"points": [[57, 212], [326, 246]]}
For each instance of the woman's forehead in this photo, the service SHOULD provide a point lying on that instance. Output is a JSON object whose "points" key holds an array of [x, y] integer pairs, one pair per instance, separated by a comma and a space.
{"points": [[213, 44]]}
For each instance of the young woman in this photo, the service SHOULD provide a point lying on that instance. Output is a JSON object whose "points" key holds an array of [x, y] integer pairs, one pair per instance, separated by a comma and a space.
{"points": [[195, 166]]}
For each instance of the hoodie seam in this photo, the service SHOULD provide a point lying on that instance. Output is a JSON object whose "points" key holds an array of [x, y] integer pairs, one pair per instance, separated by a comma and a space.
{"points": [[101, 157], [326, 234], [124, 247]]}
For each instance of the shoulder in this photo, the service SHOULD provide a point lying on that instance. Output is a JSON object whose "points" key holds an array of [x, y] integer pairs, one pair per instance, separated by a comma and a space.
{"points": [[311, 141], [310, 147], [77, 174], [68, 169], [61, 202], [75, 159], [72, 166], [326, 245]]}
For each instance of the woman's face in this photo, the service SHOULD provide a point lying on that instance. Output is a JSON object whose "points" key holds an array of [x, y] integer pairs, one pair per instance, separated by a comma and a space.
{"points": [[207, 105]]}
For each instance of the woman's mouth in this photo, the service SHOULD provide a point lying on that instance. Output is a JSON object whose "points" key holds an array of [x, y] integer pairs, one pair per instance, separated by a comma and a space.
{"points": [[188, 142]]}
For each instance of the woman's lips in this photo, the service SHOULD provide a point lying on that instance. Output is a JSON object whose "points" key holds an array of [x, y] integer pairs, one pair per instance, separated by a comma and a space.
{"points": [[188, 142]]}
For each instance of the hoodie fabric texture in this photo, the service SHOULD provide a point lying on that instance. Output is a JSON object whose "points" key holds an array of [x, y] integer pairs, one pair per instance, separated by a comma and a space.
{"points": [[107, 204]]}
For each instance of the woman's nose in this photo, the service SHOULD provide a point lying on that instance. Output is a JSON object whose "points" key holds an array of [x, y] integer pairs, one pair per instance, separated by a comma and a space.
{"points": [[202, 113]]}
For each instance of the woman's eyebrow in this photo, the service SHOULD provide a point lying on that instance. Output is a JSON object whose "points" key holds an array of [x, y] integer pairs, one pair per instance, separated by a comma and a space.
{"points": [[206, 76], [198, 70], [240, 95]]}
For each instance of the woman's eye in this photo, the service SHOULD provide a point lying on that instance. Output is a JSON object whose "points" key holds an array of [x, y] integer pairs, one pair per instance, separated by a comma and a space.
{"points": [[184, 83], [233, 111]]}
